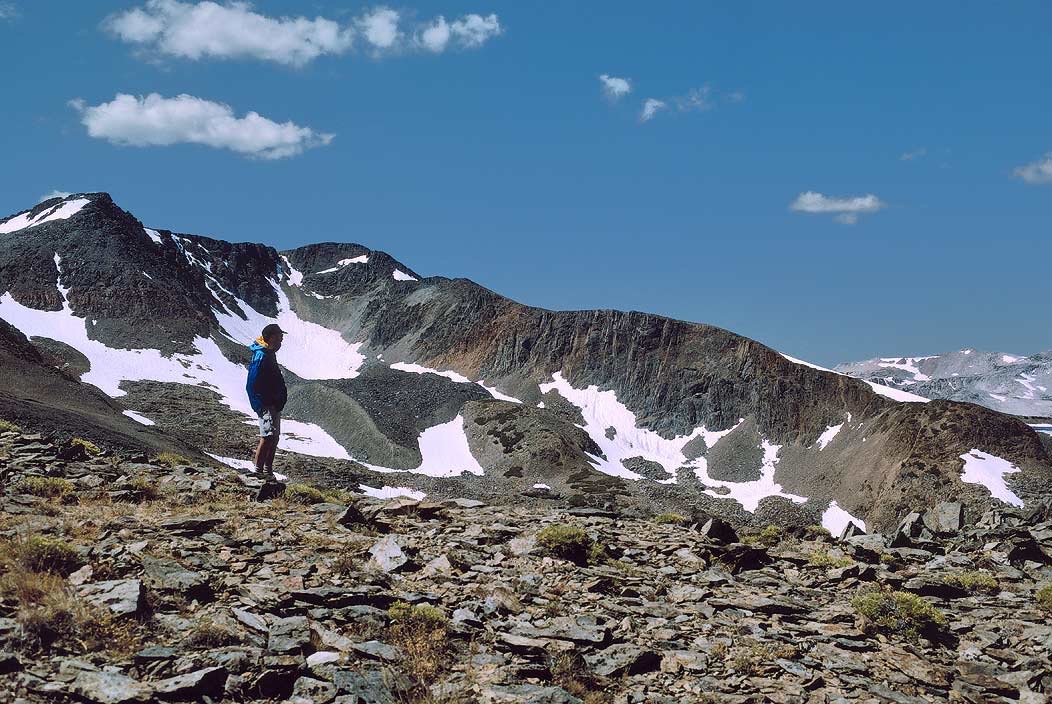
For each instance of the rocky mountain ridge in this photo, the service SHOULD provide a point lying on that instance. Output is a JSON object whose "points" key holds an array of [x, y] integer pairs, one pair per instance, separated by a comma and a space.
{"points": [[1009, 383], [442, 386]]}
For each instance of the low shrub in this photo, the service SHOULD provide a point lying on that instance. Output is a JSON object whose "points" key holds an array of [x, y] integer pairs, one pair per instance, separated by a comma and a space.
{"points": [[816, 533], [567, 542], [769, 536], [6, 425], [671, 518], [303, 494], [144, 488], [170, 459], [973, 581], [1043, 597], [49, 487], [901, 613], [209, 634]]}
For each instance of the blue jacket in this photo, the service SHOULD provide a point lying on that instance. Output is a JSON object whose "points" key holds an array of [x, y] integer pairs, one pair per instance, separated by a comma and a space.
{"points": [[265, 385]]}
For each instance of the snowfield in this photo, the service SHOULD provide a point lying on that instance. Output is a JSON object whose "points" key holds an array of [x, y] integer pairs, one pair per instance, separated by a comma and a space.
{"points": [[835, 519], [452, 376], [989, 471], [602, 410], [62, 211], [444, 451]]}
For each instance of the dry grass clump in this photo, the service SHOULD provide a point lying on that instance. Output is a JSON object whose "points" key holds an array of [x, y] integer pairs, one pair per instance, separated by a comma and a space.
{"points": [[753, 657], [206, 633], [50, 616], [170, 459], [144, 489], [1043, 597], [421, 632], [307, 494], [571, 672], [47, 487], [768, 536]]}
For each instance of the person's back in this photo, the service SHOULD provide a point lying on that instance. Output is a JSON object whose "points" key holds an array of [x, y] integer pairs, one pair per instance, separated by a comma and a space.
{"points": [[267, 394]]}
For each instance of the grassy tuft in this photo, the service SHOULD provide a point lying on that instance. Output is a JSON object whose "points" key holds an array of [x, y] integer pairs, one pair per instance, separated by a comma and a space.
{"points": [[6, 425], [567, 542], [769, 536], [824, 558], [421, 632], [49, 487], [973, 581], [209, 634], [1043, 597], [671, 519], [816, 533], [89, 447], [170, 459], [901, 613], [40, 554]]}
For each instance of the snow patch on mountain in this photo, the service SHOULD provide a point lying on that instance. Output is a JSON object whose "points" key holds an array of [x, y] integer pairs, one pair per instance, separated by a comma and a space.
{"points": [[153, 235], [295, 277], [749, 494], [391, 492], [444, 452], [235, 463], [309, 350], [835, 519], [989, 471], [827, 436], [139, 418], [400, 275], [452, 376], [61, 211], [362, 259]]}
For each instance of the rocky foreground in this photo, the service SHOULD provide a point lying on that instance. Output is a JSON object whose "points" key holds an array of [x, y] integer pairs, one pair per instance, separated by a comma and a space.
{"points": [[128, 580]]}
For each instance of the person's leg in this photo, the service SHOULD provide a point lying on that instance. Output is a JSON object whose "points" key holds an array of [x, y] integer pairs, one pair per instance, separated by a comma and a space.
{"points": [[273, 441], [260, 456]]}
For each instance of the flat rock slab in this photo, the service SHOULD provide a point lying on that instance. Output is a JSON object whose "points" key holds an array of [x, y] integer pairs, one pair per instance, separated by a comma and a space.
{"points": [[526, 694], [190, 526], [123, 597], [110, 688], [193, 685], [289, 635]]}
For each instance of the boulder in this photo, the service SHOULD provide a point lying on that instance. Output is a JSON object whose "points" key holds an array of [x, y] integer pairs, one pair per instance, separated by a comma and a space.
{"points": [[110, 688], [193, 685], [123, 597]]}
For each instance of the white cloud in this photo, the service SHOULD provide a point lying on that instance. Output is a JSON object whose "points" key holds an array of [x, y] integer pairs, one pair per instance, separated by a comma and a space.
{"points": [[475, 30], [915, 154], [615, 87], [844, 210], [380, 27], [1035, 172], [8, 11], [695, 99], [651, 106], [53, 194], [468, 32], [200, 30], [154, 120]]}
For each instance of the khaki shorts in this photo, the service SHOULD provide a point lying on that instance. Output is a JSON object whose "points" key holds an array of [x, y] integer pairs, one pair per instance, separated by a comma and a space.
{"points": [[270, 423]]}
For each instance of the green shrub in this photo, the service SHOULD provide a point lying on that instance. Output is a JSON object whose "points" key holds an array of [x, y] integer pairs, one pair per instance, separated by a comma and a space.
{"points": [[973, 581], [567, 542], [423, 615], [170, 459], [48, 487], [1043, 597], [671, 518], [769, 536], [901, 613], [89, 447], [816, 533], [824, 558], [40, 554], [6, 425]]}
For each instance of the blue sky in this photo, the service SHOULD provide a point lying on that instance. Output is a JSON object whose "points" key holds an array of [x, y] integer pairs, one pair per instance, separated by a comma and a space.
{"points": [[501, 159]]}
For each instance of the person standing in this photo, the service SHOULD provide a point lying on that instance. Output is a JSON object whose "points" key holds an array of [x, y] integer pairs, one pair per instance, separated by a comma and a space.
{"points": [[267, 394]]}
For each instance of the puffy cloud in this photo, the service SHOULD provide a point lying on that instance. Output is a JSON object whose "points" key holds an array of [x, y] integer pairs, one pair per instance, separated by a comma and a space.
{"points": [[207, 29], [651, 106], [8, 11], [1036, 172], [380, 27], [468, 32], [154, 120], [614, 87], [53, 194], [844, 210]]}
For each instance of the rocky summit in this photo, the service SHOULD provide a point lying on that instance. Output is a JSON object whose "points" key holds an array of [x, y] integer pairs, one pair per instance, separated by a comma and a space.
{"points": [[400, 383], [124, 579]]}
